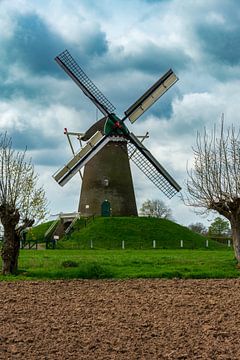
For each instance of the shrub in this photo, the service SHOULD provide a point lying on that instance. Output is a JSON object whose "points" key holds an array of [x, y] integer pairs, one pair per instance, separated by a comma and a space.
{"points": [[69, 263]]}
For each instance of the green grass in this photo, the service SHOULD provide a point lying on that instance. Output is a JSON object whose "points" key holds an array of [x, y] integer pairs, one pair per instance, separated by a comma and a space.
{"points": [[137, 233], [122, 264], [36, 233], [74, 259]]}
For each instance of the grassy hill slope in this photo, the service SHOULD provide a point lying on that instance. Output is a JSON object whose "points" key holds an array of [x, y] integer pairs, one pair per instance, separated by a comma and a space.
{"points": [[36, 233], [137, 233]]}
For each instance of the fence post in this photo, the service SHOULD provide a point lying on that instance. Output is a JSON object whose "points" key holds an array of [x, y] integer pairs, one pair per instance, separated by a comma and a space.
{"points": [[154, 244], [206, 242], [123, 244], [181, 243], [229, 243], [91, 244]]}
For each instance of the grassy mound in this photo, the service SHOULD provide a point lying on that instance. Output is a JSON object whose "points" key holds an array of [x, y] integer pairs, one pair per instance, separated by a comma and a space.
{"points": [[137, 233], [36, 233]]}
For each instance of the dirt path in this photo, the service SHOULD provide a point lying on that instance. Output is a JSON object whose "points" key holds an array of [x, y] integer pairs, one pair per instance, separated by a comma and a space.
{"points": [[134, 319]]}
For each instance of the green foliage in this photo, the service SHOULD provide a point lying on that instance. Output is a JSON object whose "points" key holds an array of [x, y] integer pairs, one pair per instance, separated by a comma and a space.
{"points": [[122, 264], [18, 185], [96, 270], [69, 263], [137, 233], [219, 227]]}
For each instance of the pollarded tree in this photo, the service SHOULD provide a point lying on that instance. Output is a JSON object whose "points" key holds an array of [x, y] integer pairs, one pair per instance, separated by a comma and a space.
{"points": [[214, 181], [21, 202], [156, 208]]}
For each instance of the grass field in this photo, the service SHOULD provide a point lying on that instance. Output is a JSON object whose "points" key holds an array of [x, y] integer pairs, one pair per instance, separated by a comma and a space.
{"points": [[137, 233], [122, 264], [73, 259]]}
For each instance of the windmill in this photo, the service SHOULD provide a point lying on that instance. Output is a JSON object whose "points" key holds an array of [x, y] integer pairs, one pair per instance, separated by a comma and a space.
{"points": [[107, 185]]}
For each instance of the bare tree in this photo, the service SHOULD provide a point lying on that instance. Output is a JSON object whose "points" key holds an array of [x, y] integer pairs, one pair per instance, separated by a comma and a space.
{"points": [[198, 227], [156, 208], [214, 181], [21, 202]]}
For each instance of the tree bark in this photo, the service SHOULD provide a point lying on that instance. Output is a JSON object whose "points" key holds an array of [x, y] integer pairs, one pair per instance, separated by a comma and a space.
{"points": [[236, 238], [11, 242], [10, 251]]}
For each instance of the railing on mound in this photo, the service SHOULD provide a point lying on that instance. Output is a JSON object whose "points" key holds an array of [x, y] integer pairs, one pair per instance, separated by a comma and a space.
{"points": [[49, 234], [29, 244], [70, 227], [226, 240], [60, 228], [84, 222], [51, 228], [78, 224]]}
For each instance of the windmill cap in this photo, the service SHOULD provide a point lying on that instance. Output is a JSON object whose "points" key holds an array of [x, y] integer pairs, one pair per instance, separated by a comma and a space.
{"points": [[97, 126]]}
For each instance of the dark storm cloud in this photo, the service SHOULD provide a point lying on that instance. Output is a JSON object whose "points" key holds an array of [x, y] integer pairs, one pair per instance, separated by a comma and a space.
{"points": [[34, 46], [153, 59], [150, 62], [19, 89], [94, 45], [221, 43], [32, 139], [149, 58], [49, 157]]}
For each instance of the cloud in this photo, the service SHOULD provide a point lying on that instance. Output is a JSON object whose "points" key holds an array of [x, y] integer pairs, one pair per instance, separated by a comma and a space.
{"points": [[145, 57], [36, 126], [32, 45], [221, 43]]}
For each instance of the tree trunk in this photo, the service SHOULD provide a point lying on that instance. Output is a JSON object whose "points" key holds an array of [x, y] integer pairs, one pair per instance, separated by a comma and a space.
{"points": [[236, 238], [11, 243], [10, 251]]}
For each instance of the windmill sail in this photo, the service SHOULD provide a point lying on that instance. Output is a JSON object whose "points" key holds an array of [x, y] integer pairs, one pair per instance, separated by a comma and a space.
{"points": [[94, 145], [151, 96], [70, 66], [145, 161]]}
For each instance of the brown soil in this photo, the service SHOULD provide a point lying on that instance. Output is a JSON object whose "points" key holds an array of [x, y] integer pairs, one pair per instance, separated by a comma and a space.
{"points": [[133, 319]]}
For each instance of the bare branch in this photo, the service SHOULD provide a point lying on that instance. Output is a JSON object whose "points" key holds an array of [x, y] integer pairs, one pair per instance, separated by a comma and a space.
{"points": [[214, 181]]}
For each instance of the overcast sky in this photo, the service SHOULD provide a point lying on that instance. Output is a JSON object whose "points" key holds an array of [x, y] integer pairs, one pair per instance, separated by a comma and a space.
{"points": [[124, 47]]}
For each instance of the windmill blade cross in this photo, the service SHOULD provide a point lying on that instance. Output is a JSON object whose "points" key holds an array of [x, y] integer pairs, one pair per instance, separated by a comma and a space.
{"points": [[151, 96], [115, 127], [71, 67], [146, 162]]}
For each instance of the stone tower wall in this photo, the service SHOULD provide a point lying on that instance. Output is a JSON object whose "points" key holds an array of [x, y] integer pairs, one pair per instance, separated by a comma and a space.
{"points": [[107, 176]]}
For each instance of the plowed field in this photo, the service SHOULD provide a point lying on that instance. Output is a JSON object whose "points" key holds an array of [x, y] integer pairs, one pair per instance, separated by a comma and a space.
{"points": [[128, 319]]}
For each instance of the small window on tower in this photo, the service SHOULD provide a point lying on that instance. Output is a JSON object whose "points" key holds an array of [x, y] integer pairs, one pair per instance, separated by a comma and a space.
{"points": [[106, 182]]}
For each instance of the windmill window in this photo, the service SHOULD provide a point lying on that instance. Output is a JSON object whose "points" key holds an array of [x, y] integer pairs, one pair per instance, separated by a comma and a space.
{"points": [[106, 182]]}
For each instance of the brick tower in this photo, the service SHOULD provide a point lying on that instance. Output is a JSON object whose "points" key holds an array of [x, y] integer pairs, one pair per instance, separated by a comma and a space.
{"points": [[107, 180]]}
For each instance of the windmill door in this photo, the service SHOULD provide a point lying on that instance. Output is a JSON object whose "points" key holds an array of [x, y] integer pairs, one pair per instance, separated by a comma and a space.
{"points": [[105, 208]]}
